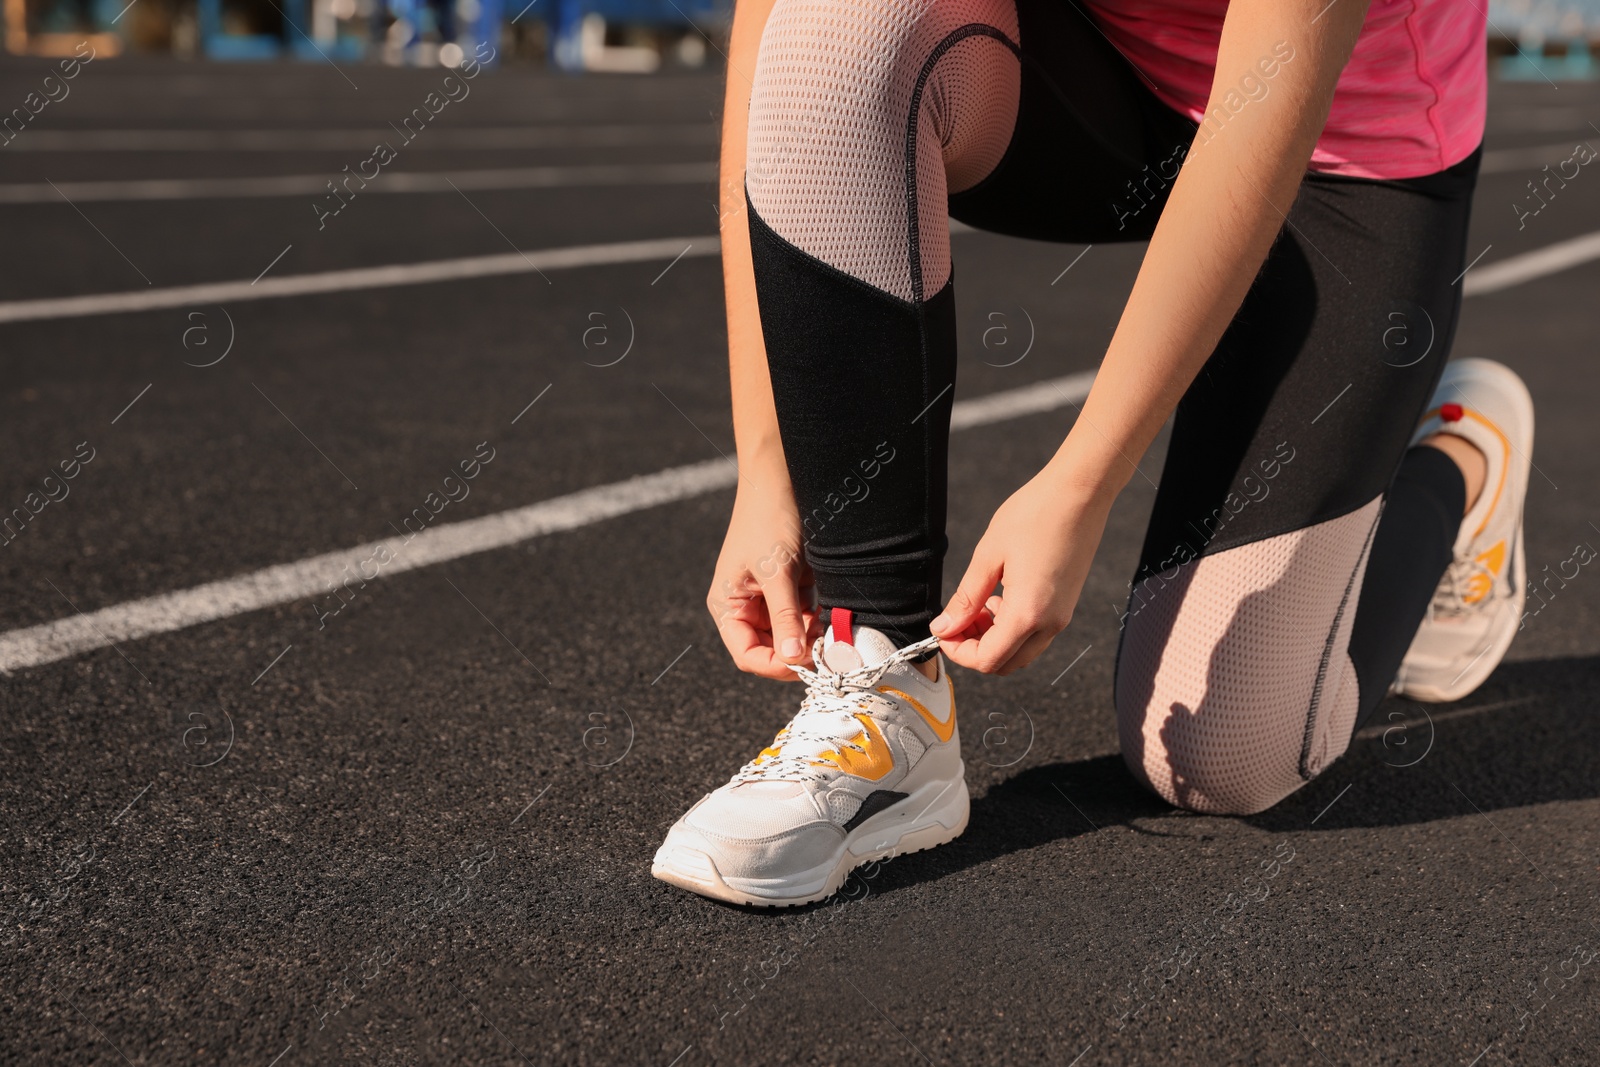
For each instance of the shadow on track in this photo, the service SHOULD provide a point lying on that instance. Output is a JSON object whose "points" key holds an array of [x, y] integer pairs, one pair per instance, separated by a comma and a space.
{"points": [[1530, 735]]}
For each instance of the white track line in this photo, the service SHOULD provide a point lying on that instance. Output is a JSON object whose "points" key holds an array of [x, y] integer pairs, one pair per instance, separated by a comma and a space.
{"points": [[1496, 276], [478, 138], [289, 582], [316, 185], [338, 281], [1515, 270]]}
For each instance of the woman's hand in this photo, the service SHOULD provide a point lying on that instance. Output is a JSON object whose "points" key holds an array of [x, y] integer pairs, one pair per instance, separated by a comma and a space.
{"points": [[1207, 248], [762, 592], [1040, 544]]}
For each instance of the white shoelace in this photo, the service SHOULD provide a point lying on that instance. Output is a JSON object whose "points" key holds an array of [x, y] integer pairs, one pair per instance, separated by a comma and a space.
{"points": [[1450, 598], [827, 716]]}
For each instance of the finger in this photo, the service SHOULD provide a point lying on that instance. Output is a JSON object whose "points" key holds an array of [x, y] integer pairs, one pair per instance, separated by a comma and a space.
{"points": [[757, 657], [983, 574], [788, 621], [998, 643], [963, 647], [745, 631], [816, 626], [1030, 651]]}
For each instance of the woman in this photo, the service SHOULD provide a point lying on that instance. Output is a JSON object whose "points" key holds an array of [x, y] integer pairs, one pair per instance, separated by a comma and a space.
{"points": [[1339, 514]]}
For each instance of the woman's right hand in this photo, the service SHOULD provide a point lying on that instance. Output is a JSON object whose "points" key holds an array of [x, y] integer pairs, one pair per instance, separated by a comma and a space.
{"points": [[762, 594]]}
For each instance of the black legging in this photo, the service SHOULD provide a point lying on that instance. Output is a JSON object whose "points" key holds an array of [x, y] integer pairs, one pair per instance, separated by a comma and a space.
{"points": [[1284, 450]]}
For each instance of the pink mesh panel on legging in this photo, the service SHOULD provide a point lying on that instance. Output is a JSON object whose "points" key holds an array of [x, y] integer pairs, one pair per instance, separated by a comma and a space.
{"points": [[829, 109], [1234, 688]]}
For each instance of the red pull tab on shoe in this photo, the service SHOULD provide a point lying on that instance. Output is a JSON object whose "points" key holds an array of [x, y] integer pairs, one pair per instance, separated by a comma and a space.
{"points": [[842, 620], [1450, 412]]}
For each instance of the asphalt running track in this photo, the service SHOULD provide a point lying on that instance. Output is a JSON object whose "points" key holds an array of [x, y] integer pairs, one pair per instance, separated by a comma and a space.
{"points": [[417, 829]]}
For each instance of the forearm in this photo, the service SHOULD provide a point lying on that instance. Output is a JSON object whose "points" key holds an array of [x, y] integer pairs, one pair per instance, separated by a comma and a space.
{"points": [[755, 420], [1228, 203]]}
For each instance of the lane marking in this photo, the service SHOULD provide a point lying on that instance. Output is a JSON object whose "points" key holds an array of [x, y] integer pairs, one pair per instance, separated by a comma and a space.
{"points": [[285, 583], [593, 174], [289, 582], [1377, 730], [478, 138], [1474, 263], [113, 644], [509, 242], [1551, 259], [343, 281], [1502, 275]]}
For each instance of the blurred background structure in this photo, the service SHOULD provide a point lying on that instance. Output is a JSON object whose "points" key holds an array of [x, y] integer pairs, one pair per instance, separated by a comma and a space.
{"points": [[621, 36], [1545, 39], [1529, 39]]}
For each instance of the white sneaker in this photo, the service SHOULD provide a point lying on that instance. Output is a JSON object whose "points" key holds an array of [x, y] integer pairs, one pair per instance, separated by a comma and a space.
{"points": [[1477, 608], [870, 768]]}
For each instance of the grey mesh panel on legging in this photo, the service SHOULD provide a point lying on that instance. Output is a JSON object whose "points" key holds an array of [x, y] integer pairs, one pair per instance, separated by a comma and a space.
{"points": [[1235, 683], [827, 165]]}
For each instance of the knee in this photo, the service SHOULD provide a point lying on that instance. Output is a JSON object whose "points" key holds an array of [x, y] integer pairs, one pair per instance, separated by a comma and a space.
{"points": [[1210, 758], [848, 71], [1234, 686], [1209, 717]]}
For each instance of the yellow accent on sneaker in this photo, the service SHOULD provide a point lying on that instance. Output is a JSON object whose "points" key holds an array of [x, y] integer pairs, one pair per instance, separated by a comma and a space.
{"points": [[1481, 584], [870, 759], [941, 730]]}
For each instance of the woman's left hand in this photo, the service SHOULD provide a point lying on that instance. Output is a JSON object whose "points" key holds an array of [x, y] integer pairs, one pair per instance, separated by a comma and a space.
{"points": [[1039, 544]]}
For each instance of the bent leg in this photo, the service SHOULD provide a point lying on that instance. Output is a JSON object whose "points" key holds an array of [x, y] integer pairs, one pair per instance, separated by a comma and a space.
{"points": [[1253, 642], [870, 122], [862, 117]]}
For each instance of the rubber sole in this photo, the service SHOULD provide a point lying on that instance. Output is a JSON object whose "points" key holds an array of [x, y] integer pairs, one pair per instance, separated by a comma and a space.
{"points": [[916, 824]]}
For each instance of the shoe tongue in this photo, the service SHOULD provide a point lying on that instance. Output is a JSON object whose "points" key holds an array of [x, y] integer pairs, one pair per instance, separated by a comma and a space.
{"points": [[867, 647]]}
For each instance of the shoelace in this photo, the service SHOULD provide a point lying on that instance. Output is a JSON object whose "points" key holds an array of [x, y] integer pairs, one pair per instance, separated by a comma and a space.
{"points": [[826, 719], [1450, 598]]}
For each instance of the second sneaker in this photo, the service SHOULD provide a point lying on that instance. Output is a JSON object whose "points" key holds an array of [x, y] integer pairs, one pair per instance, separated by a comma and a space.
{"points": [[1477, 609]]}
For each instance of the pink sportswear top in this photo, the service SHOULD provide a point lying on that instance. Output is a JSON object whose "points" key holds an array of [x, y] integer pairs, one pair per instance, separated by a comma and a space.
{"points": [[1410, 102]]}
